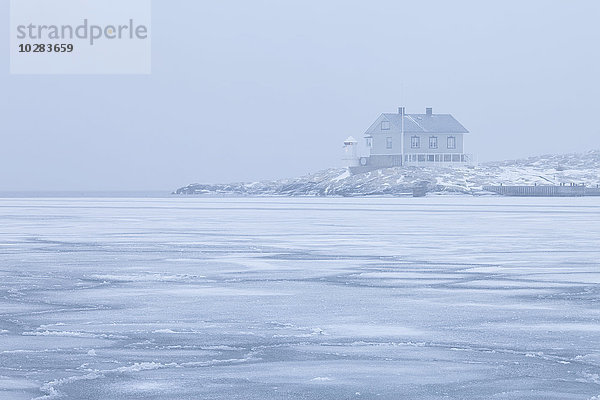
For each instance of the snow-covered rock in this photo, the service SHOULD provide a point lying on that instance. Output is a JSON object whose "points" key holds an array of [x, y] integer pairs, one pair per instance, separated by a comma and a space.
{"points": [[582, 168]]}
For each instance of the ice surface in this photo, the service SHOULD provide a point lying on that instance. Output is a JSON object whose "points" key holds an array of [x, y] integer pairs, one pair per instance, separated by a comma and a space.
{"points": [[189, 298]]}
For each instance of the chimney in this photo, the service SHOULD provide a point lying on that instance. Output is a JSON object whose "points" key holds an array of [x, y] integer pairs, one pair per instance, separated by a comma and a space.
{"points": [[429, 111], [401, 111]]}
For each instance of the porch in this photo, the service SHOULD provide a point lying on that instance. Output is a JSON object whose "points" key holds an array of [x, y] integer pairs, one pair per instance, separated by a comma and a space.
{"points": [[427, 159]]}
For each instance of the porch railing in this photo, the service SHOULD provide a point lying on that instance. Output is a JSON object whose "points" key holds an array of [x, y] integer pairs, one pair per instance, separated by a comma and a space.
{"points": [[438, 158]]}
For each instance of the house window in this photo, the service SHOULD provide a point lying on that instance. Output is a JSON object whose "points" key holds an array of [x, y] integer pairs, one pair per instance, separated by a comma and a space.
{"points": [[385, 125], [451, 142], [433, 142], [369, 142], [388, 143], [415, 142]]}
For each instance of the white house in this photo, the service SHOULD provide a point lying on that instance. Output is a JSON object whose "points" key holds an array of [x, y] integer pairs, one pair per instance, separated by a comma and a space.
{"points": [[401, 139]]}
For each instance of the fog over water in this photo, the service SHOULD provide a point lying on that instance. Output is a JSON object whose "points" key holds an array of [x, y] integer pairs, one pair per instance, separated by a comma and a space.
{"points": [[268, 89]]}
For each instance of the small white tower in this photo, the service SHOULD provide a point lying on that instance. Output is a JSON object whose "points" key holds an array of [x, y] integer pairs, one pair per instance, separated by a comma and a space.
{"points": [[350, 152]]}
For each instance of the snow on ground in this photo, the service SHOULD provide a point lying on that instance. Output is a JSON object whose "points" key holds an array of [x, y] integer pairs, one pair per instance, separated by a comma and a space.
{"points": [[543, 170], [300, 298]]}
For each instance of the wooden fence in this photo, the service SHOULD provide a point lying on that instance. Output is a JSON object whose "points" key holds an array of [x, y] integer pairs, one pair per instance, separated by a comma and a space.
{"points": [[544, 191]]}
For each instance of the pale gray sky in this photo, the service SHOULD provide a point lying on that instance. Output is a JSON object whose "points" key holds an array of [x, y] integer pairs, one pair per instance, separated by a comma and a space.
{"points": [[249, 90]]}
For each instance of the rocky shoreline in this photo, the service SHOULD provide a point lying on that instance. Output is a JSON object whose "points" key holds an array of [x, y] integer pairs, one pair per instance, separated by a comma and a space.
{"points": [[578, 168]]}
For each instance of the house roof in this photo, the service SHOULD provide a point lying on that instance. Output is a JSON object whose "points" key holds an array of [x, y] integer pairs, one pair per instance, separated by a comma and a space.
{"points": [[423, 123]]}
